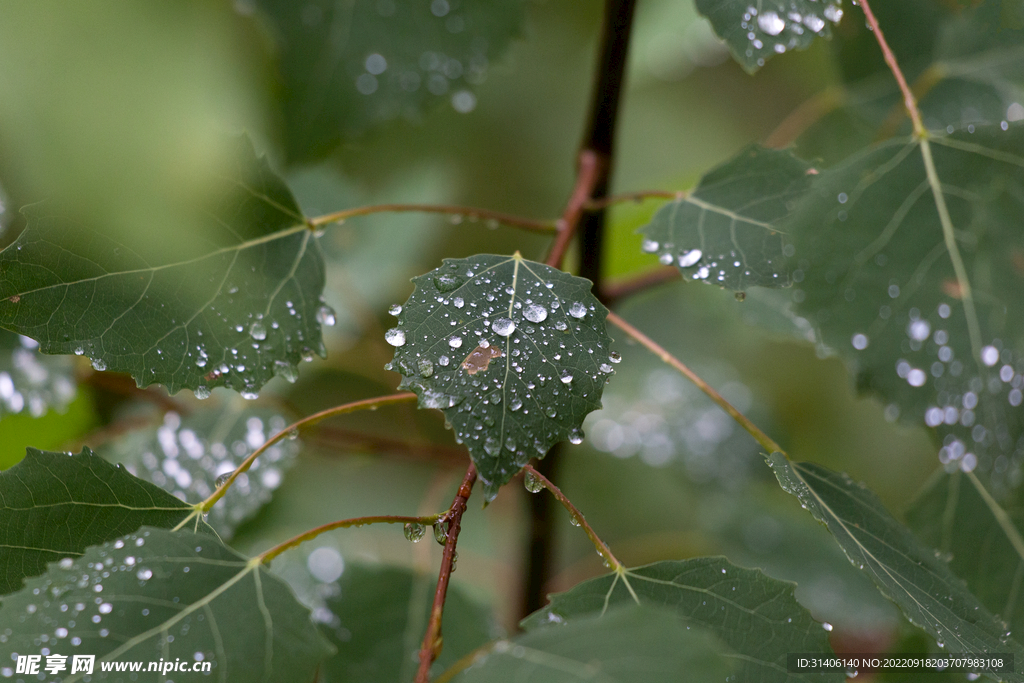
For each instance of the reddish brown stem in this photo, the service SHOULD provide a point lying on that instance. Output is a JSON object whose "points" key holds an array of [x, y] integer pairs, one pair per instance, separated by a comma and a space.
{"points": [[909, 101], [432, 642], [296, 541], [620, 289], [470, 213], [589, 171]]}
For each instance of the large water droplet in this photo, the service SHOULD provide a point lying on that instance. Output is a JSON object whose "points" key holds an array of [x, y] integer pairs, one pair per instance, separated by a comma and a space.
{"points": [[325, 316], [286, 370], [455, 342], [441, 532], [532, 482], [615, 357], [576, 437], [503, 326], [415, 532], [566, 377], [395, 310], [99, 364], [258, 331], [202, 393], [577, 310], [395, 336], [771, 23], [833, 13], [446, 282], [535, 313], [222, 479], [689, 258]]}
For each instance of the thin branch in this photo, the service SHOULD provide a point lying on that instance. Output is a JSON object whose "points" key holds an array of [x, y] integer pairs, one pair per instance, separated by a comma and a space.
{"points": [[602, 548], [587, 174], [468, 213], [295, 541], [622, 288], [635, 197], [909, 101], [671, 360], [432, 642], [365, 404]]}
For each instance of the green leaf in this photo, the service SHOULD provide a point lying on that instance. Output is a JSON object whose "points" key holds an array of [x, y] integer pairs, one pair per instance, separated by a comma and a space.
{"points": [[754, 614], [515, 353], [878, 278], [632, 643], [347, 68], [186, 455], [379, 617], [981, 539], [904, 570], [55, 505], [29, 380], [157, 594], [228, 301], [725, 232], [756, 34]]}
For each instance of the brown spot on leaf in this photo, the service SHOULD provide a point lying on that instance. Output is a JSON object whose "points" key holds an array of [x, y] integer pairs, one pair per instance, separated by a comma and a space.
{"points": [[952, 288], [14, 299], [480, 358]]}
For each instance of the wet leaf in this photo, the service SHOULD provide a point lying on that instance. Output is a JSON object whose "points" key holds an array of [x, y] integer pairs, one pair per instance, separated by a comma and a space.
{"points": [[876, 276], [156, 594], [631, 644], [904, 569], [185, 456], [726, 231], [230, 301], [31, 382], [550, 371], [980, 539], [378, 617], [55, 505], [347, 68], [756, 616], [755, 34]]}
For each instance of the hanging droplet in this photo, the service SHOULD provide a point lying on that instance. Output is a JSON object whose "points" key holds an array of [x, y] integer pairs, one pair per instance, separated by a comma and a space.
{"points": [[395, 310], [258, 331], [326, 316], [202, 393], [293, 433], [649, 246], [574, 520], [286, 370], [395, 336], [415, 532], [222, 479], [615, 357], [441, 532], [532, 482], [576, 437], [99, 364]]}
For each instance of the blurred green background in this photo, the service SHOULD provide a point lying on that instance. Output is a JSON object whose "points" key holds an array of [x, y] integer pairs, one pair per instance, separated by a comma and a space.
{"points": [[109, 108]]}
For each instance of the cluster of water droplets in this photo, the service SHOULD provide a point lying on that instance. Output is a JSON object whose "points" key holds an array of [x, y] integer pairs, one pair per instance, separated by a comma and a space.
{"points": [[190, 457], [30, 381], [780, 26], [514, 352], [662, 420]]}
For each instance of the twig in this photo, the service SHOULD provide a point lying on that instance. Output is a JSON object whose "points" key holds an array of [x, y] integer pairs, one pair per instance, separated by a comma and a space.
{"points": [[267, 555], [365, 404], [909, 101], [620, 289], [468, 212], [671, 360], [602, 547], [636, 197], [587, 173], [432, 642]]}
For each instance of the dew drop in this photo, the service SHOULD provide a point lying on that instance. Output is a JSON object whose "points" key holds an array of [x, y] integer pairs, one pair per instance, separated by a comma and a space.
{"points": [[99, 364], [446, 282], [833, 14], [989, 356], [415, 532], [395, 310], [535, 313], [222, 479], [425, 367], [395, 337], [532, 482], [454, 342], [144, 574], [574, 520], [441, 532], [459, 302], [326, 316], [689, 258], [615, 357], [577, 310], [649, 246], [860, 341], [504, 327], [740, 296], [551, 412], [576, 437], [258, 331], [202, 393]]}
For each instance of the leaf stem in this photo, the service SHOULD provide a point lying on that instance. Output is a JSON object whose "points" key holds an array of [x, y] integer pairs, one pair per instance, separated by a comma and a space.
{"points": [[602, 548], [909, 101], [365, 404], [432, 642], [674, 362], [622, 288], [637, 197], [267, 555], [470, 213]]}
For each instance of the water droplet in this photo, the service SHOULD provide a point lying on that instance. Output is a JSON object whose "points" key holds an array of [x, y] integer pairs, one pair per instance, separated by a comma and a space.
{"points": [[459, 302], [258, 331], [989, 356], [532, 482], [202, 393], [503, 326], [79, 351], [606, 369], [615, 357], [446, 282], [577, 310], [576, 437], [827, 626], [740, 296], [425, 367], [454, 342], [551, 412], [689, 258], [286, 370], [771, 23], [574, 520], [441, 532], [222, 479], [99, 364], [860, 341], [326, 316], [395, 310], [144, 574], [293, 434], [415, 532], [535, 313], [566, 377], [665, 259], [649, 246], [395, 336], [833, 14]]}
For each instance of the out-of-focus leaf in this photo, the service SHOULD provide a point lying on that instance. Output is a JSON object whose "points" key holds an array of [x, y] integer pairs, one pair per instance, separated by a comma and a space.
{"points": [[515, 353], [156, 594], [630, 644], [877, 277], [756, 616], [756, 34], [186, 455], [346, 68], [55, 505], [378, 618], [980, 539], [230, 300], [904, 570], [725, 231], [29, 380]]}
